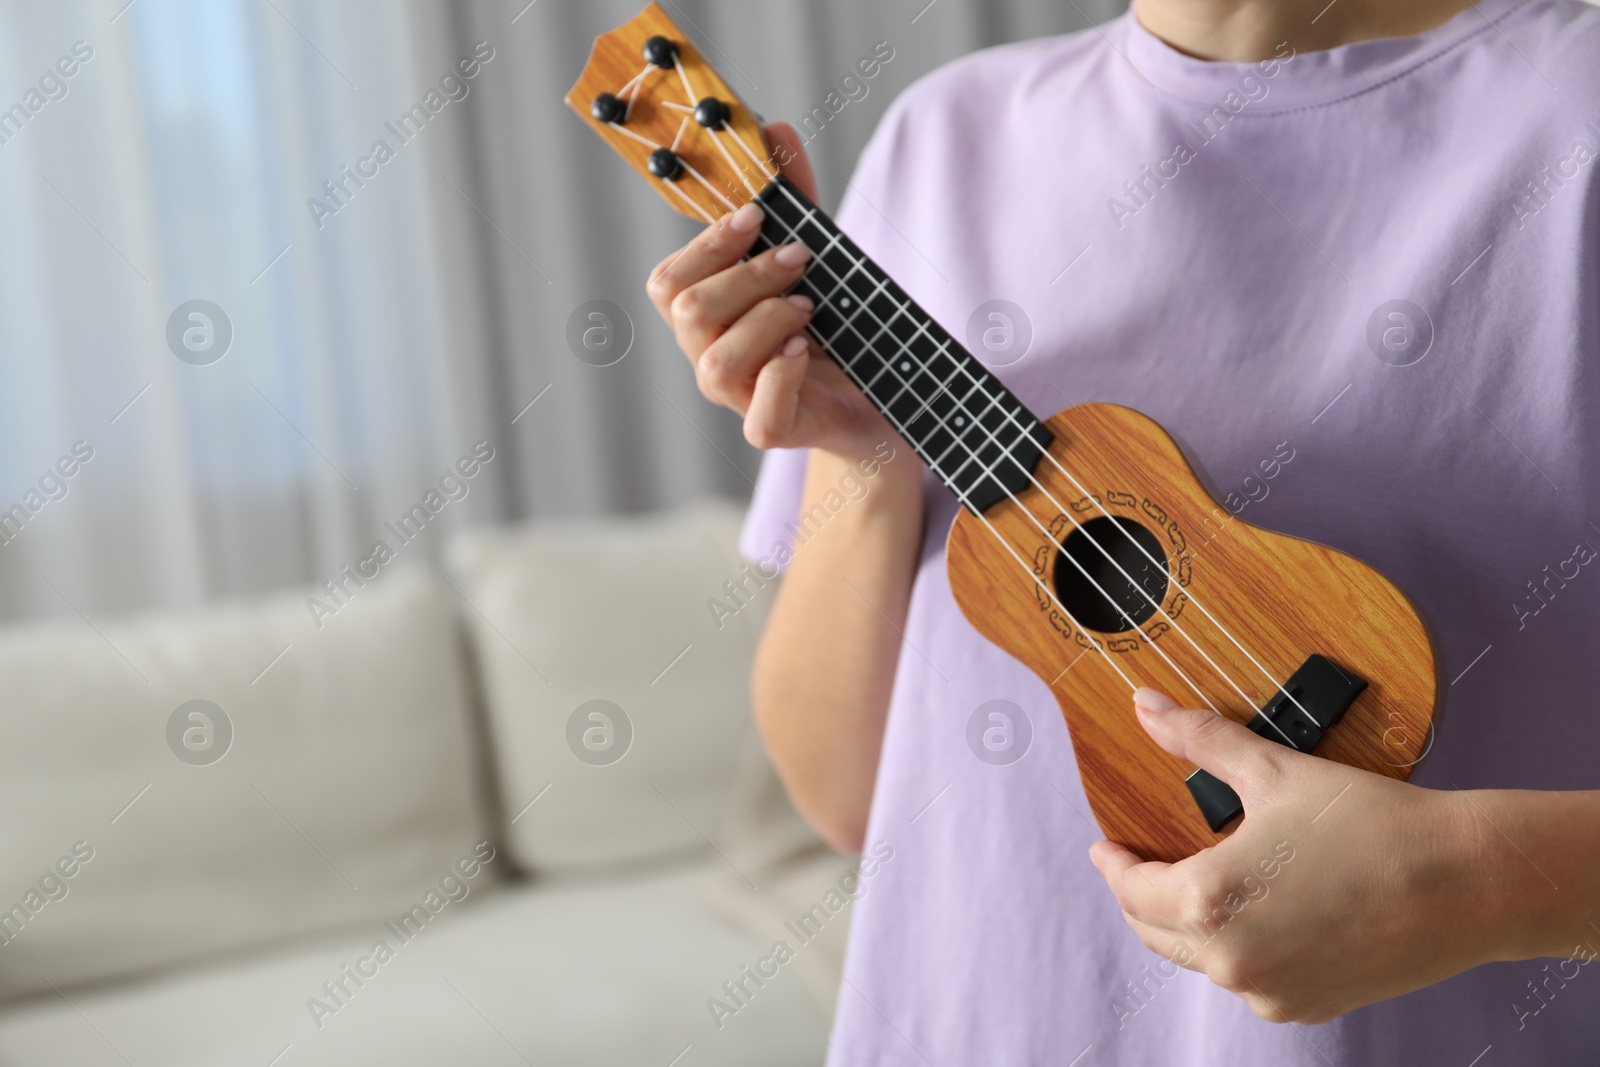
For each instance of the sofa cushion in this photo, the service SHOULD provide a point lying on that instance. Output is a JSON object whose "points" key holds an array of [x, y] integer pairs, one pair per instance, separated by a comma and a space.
{"points": [[346, 779], [585, 975], [777, 870], [616, 692]]}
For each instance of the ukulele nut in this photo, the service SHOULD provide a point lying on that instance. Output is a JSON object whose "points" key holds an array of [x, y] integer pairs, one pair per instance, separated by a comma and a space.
{"points": [[660, 52], [712, 113], [609, 109], [666, 165]]}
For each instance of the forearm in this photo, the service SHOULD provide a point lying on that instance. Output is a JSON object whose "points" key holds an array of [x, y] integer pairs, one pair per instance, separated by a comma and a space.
{"points": [[825, 669], [1541, 870]]}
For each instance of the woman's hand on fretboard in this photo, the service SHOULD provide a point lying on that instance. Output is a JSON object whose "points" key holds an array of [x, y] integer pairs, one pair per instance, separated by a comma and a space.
{"points": [[747, 340]]}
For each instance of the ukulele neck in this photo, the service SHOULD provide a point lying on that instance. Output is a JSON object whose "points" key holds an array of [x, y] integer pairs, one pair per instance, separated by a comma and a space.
{"points": [[974, 435]]}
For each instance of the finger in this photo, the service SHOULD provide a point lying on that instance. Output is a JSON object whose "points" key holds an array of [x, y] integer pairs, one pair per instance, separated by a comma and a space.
{"points": [[704, 310], [1249, 763], [1142, 889], [718, 247], [1111, 859], [789, 151], [774, 403], [726, 370]]}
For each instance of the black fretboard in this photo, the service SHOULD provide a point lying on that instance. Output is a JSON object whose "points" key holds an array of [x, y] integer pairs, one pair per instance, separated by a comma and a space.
{"points": [[968, 428]]}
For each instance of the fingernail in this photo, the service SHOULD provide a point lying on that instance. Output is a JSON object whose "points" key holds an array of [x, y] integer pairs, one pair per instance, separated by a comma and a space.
{"points": [[796, 347], [747, 219], [792, 256], [1152, 701], [803, 302]]}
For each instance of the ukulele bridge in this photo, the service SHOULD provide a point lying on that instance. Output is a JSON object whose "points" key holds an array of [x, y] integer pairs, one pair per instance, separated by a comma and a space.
{"points": [[1313, 699]]}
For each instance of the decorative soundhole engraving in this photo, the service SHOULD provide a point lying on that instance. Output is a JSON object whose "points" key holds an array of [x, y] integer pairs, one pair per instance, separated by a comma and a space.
{"points": [[1115, 595]]}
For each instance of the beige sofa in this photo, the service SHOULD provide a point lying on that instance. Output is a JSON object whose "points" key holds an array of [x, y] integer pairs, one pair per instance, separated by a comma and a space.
{"points": [[403, 836]]}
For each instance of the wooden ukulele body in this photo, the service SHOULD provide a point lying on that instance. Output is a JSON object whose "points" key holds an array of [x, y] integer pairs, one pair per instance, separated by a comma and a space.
{"points": [[1281, 598]]}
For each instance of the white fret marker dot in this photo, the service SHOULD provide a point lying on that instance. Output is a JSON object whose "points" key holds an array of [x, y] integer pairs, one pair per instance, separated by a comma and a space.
{"points": [[906, 365], [845, 302], [960, 421]]}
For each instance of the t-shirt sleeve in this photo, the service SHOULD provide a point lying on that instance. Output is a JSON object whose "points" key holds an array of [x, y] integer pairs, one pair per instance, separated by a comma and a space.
{"points": [[774, 505]]}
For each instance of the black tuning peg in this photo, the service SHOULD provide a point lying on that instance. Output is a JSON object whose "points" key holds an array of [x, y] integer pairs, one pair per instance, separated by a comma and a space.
{"points": [[609, 109], [712, 113], [660, 52], [665, 164]]}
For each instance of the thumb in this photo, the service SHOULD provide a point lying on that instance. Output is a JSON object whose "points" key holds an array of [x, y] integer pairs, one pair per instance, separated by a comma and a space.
{"points": [[1215, 743], [790, 153]]}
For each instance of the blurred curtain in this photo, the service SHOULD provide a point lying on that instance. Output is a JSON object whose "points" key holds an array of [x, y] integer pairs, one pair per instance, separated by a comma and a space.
{"points": [[376, 339], [177, 166]]}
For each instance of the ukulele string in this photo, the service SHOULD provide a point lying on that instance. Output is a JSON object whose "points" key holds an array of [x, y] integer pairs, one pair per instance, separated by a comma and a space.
{"points": [[1010, 417], [687, 199], [1005, 455], [709, 187], [690, 201], [989, 470], [688, 90], [1004, 452], [633, 88], [683, 75], [996, 405], [635, 80], [729, 157], [769, 175], [1192, 599]]}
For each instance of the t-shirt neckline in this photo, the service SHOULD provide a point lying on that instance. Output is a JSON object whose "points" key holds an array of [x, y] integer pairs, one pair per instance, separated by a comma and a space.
{"points": [[1309, 78]]}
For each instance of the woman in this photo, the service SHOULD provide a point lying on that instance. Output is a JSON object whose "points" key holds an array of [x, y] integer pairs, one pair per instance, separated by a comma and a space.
{"points": [[1346, 252]]}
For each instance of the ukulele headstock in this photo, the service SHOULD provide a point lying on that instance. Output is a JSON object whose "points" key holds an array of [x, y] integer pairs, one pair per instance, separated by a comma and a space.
{"points": [[647, 90]]}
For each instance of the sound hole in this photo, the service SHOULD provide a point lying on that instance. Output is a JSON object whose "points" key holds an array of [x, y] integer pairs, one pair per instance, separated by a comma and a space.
{"points": [[1122, 605]]}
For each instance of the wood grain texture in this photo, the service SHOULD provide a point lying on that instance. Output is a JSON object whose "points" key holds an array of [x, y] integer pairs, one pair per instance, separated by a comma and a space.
{"points": [[1279, 597], [617, 57]]}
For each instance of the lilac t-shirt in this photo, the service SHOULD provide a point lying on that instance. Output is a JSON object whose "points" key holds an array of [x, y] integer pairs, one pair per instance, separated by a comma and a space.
{"points": [[1362, 287]]}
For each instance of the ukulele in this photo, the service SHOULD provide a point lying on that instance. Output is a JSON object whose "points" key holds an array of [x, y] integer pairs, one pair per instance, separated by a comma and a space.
{"points": [[1087, 546]]}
